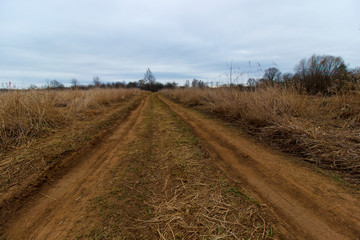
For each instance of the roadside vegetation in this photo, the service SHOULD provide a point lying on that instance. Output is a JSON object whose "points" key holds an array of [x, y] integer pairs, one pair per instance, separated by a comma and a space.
{"points": [[25, 115], [39, 127], [314, 113]]}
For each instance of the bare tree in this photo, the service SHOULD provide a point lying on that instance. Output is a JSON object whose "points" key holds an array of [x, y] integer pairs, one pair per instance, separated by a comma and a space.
{"points": [[251, 82], [96, 81], [201, 84], [74, 83], [194, 83], [197, 83], [33, 87], [272, 75], [149, 77], [55, 84], [319, 73], [141, 83], [287, 78], [187, 83], [149, 81], [170, 85]]}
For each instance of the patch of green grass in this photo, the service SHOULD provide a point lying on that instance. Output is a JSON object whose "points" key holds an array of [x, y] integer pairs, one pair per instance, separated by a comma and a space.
{"points": [[183, 165], [249, 198], [233, 191], [194, 140], [339, 180], [269, 233]]}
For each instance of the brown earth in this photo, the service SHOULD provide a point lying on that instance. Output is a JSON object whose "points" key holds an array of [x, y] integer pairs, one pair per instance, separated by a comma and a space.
{"points": [[152, 179]]}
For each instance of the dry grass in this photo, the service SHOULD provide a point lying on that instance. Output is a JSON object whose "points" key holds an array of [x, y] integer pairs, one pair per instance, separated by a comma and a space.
{"points": [[29, 114], [167, 187], [191, 198], [196, 207], [40, 128], [323, 129]]}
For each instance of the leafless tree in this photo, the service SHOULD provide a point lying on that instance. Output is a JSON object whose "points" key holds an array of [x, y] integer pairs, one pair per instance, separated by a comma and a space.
{"points": [[319, 73], [74, 83], [149, 77], [96, 81], [272, 75], [251, 82], [55, 84]]}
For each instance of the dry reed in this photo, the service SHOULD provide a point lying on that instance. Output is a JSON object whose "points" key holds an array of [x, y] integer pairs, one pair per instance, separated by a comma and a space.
{"points": [[323, 129], [28, 114]]}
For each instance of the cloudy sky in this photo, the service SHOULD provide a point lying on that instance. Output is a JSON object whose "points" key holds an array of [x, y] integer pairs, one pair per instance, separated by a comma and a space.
{"points": [[177, 39]]}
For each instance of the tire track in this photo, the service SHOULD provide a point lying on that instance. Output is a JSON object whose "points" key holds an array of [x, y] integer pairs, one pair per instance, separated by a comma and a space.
{"points": [[59, 207], [306, 205]]}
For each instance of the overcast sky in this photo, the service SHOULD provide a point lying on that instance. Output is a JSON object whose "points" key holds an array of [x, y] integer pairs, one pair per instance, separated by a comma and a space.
{"points": [[177, 39]]}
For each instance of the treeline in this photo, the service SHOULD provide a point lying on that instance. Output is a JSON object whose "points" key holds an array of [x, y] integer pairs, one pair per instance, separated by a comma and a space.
{"points": [[323, 74], [151, 86], [148, 83], [97, 83], [318, 74]]}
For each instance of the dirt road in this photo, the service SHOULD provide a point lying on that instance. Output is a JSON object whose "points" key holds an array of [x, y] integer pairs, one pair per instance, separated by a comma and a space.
{"points": [[53, 212], [153, 179], [306, 204]]}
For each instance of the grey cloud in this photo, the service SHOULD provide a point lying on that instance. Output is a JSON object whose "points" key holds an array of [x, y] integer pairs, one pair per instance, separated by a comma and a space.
{"points": [[178, 39]]}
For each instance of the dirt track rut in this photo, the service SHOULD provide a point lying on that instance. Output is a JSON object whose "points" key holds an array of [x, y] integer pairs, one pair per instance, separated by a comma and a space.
{"points": [[305, 204], [55, 210]]}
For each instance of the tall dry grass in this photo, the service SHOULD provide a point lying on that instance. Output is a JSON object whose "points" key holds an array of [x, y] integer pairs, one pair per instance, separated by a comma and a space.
{"points": [[261, 108], [323, 129], [25, 114]]}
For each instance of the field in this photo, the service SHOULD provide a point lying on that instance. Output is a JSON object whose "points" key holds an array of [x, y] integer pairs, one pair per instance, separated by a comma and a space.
{"points": [[28, 114], [180, 164], [41, 127], [324, 130]]}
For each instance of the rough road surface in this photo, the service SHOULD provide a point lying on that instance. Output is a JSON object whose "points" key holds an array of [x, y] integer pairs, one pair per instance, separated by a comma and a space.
{"points": [[53, 212], [304, 204]]}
